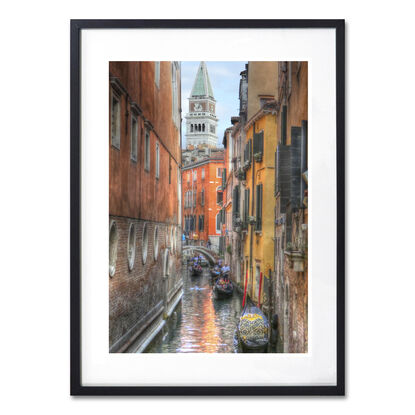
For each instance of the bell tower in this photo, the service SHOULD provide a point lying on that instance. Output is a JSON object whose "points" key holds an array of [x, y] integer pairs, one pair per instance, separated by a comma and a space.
{"points": [[201, 120]]}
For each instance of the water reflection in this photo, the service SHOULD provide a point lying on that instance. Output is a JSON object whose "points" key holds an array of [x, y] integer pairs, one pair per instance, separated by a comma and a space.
{"points": [[204, 324]]}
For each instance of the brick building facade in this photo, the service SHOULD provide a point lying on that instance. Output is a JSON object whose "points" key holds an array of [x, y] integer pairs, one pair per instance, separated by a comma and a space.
{"points": [[202, 199], [144, 199]]}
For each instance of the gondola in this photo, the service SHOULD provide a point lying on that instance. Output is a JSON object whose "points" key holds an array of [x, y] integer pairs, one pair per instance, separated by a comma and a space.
{"points": [[223, 287], [252, 330], [196, 269]]}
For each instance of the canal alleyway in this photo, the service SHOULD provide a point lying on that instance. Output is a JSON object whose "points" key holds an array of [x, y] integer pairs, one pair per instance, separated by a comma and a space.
{"points": [[201, 323]]}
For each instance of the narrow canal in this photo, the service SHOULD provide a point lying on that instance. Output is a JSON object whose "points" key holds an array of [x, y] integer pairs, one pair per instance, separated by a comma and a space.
{"points": [[202, 324]]}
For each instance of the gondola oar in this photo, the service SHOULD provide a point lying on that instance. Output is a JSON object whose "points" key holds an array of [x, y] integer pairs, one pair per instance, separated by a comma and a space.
{"points": [[259, 289], [246, 285]]}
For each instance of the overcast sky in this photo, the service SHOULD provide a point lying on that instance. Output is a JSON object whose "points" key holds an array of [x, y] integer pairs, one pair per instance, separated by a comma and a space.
{"points": [[224, 77]]}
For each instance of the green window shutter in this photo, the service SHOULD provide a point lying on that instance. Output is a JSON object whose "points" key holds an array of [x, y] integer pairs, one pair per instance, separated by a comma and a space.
{"points": [[295, 150], [275, 173], [304, 162], [258, 143], [284, 125], [283, 181], [258, 225]]}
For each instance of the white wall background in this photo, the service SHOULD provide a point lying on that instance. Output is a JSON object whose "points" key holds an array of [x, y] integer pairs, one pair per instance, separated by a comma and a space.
{"points": [[34, 171]]}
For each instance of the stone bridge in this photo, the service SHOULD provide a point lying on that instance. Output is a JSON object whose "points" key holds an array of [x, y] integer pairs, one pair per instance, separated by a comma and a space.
{"points": [[210, 255]]}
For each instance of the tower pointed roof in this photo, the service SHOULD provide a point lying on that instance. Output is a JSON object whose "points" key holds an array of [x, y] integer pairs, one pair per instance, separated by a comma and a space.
{"points": [[202, 86]]}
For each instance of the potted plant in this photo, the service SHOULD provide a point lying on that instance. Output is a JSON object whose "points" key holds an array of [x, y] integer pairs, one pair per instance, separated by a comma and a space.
{"points": [[251, 220], [258, 157]]}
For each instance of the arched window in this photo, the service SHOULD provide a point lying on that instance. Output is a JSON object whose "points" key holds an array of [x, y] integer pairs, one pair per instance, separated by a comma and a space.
{"points": [[200, 127], [191, 128], [145, 243], [218, 222], [203, 127], [113, 245], [131, 247]]}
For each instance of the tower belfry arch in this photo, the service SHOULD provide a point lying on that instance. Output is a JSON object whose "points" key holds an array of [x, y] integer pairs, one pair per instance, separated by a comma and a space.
{"points": [[201, 120]]}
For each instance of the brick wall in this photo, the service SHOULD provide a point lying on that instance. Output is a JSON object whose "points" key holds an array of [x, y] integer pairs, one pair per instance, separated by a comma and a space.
{"points": [[135, 293]]}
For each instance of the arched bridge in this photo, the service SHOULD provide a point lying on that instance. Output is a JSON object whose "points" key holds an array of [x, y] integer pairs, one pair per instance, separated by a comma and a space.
{"points": [[210, 255]]}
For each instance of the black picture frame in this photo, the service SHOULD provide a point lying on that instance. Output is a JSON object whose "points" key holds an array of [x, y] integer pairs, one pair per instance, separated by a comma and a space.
{"points": [[76, 28]]}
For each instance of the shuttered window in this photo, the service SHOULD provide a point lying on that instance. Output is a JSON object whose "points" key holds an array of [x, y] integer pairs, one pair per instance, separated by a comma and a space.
{"points": [[276, 173], [295, 156], [283, 175], [304, 157], [284, 125], [248, 151], [246, 206], [235, 203], [259, 143], [223, 179], [258, 224]]}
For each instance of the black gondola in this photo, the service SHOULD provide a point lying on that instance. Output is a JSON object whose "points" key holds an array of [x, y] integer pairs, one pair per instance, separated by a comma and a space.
{"points": [[252, 330], [223, 287], [196, 269]]}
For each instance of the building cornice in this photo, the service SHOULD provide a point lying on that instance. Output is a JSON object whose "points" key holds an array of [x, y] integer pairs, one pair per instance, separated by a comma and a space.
{"points": [[271, 107]]}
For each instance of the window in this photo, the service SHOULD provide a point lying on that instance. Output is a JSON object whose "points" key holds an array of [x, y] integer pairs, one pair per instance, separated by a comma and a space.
{"points": [[218, 222], [202, 197], [157, 74], [175, 95], [258, 223], [157, 160], [156, 243], [147, 151], [134, 134], [212, 128], [195, 175], [194, 198], [115, 121], [219, 173], [284, 125], [131, 247], [246, 206], [191, 128], [203, 127], [258, 142], [201, 222], [203, 174], [223, 178], [145, 243], [188, 177], [219, 195], [113, 246], [248, 152]]}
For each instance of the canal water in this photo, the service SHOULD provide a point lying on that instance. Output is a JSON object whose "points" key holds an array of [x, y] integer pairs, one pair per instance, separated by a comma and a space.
{"points": [[203, 324]]}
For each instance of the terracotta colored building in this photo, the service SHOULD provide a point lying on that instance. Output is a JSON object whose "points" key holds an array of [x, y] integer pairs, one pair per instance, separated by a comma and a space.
{"points": [[144, 199], [203, 199]]}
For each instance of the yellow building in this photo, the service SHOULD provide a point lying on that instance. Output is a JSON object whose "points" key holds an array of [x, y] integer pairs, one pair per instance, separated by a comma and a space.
{"points": [[259, 201]]}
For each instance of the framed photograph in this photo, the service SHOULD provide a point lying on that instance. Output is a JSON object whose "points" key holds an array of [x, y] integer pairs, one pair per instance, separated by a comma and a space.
{"points": [[207, 207]]}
